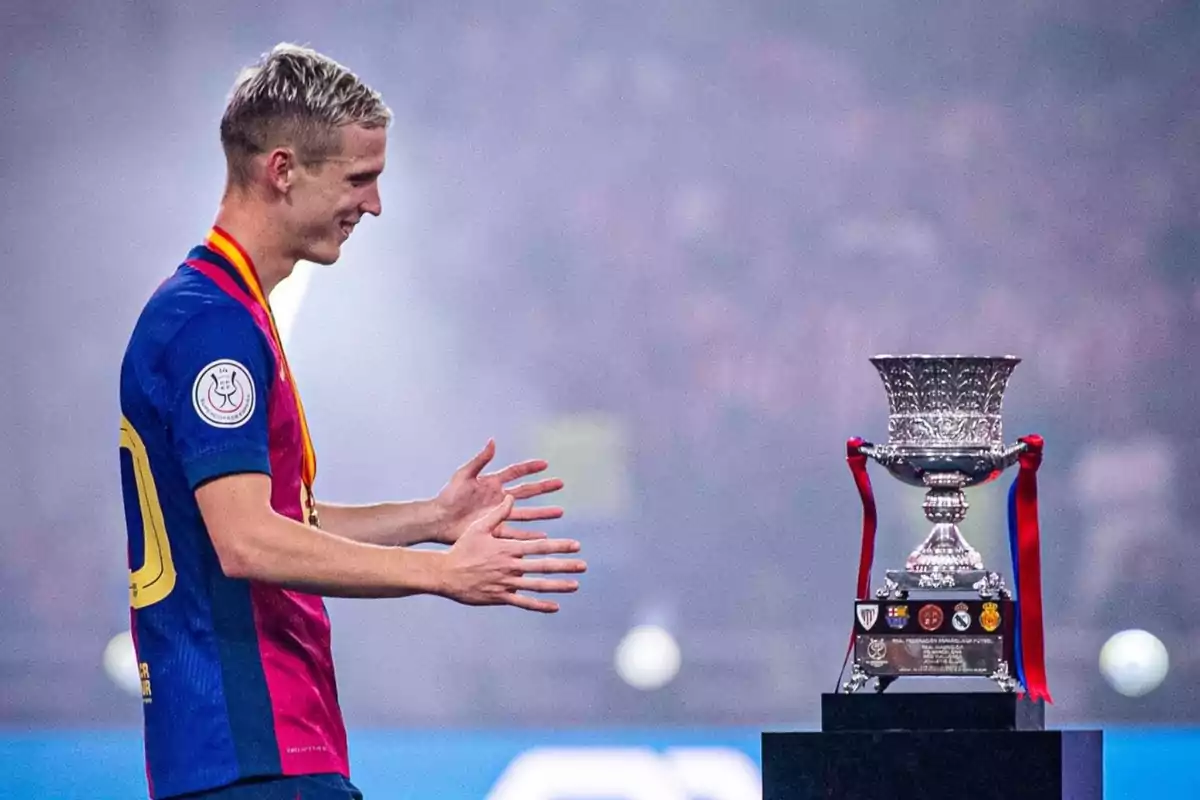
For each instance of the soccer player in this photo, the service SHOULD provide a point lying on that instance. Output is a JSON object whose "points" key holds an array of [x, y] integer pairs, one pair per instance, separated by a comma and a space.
{"points": [[230, 553]]}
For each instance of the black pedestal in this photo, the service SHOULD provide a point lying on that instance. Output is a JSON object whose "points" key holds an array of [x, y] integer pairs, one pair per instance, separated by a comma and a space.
{"points": [[963, 747], [941, 711]]}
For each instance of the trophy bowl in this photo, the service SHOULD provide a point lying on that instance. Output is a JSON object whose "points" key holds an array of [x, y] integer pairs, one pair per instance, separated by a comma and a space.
{"points": [[919, 467], [944, 416], [945, 434]]}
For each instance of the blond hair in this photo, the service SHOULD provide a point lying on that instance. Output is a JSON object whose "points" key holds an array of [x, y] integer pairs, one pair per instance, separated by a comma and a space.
{"points": [[294, 96]]}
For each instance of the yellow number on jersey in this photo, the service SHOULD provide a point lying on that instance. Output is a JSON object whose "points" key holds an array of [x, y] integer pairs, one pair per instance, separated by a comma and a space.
{"points": [[155, 579]]}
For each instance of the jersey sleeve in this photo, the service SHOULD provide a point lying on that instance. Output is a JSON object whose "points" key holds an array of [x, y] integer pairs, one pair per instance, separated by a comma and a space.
{"points": [[219, 370]]}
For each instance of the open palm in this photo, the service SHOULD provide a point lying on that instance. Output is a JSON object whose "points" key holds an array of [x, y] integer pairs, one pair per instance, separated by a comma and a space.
{"points": [[470, 492]]}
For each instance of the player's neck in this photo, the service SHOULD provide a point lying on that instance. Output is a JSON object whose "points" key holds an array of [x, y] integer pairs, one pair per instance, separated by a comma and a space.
{"points": [[271, 259]]}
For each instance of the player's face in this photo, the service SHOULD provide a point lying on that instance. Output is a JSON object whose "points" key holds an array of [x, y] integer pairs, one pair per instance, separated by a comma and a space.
{"points": [[330, 198]]}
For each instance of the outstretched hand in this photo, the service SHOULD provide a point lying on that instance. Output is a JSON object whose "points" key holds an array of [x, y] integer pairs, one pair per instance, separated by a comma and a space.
{"points": [[486, 569], [471, 492]]}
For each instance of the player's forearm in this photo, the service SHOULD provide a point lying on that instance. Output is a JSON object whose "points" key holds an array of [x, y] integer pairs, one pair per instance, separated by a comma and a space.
{"points": [[280, 551], [392, 524]]}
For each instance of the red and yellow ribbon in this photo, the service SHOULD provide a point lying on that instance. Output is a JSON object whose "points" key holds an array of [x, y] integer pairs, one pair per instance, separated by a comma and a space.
{"points": [[223, 243]]}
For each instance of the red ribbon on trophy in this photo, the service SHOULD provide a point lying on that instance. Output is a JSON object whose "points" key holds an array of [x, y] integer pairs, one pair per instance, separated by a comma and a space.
{"points": [[858, 468], [1025, 544]]}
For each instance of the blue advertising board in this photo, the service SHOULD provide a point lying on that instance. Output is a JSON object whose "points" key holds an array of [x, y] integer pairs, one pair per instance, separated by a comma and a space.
{"points": [[653, 764]]}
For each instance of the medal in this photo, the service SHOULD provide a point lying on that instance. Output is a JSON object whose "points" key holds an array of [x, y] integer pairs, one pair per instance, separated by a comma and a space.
{"points": [[221, 242]]}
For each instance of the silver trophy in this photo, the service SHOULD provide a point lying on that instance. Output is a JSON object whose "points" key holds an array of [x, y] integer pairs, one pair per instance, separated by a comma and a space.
{"points": [[945, 434]]}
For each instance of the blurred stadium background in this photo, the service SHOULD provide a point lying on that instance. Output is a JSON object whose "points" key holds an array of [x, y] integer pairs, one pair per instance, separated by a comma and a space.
{"points": [[654, 242]]}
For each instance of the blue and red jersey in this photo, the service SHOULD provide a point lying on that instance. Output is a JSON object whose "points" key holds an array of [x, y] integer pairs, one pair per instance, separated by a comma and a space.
{"points": [[237, 675]]}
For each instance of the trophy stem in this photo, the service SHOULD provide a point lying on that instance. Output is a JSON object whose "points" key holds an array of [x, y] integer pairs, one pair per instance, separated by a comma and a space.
{"points": [[945, 549]]}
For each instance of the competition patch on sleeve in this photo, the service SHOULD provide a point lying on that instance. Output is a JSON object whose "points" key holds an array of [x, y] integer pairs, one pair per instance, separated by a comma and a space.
{"points": [[223, 394]]}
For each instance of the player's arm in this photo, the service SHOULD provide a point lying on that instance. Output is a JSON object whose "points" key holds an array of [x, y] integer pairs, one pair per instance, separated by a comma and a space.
{"points": [[252, 541], [255, 543], [393, 524], [216, 375]]}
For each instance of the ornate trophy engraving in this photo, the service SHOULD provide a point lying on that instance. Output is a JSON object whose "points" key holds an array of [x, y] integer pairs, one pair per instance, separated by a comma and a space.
{"points": [[944, 434]]}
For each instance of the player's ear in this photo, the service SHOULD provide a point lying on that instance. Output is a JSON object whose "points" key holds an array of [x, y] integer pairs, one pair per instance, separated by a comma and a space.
{"points": [[280, 165]]}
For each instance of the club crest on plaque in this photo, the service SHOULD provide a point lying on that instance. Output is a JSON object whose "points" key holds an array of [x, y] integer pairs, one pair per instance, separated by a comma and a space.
{"points": [[930, 617], [897, 617], [961, 620], [867, 613], [989, 618]]}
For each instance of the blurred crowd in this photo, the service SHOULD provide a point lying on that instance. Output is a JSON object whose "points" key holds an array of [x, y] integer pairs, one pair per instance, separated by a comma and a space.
{"points": [[708, 224]]}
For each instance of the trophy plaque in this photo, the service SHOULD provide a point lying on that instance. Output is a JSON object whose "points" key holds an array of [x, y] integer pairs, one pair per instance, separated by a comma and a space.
{"points": [[945, 613]]}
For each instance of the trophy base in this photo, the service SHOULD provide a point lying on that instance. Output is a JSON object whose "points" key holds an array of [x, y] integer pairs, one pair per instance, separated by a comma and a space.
{"points": [[989, 585], [933, 638]]}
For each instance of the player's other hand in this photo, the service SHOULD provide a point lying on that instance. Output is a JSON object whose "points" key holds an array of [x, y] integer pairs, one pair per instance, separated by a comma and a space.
{"points": [[471, 491], [483, 569]]}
